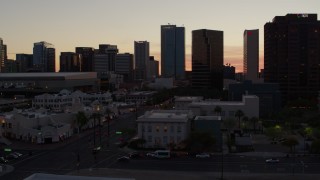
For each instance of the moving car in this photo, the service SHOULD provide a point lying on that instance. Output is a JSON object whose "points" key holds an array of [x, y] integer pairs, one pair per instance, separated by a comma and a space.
{"points": [[123, 159], [272, 160], [203, 155]]}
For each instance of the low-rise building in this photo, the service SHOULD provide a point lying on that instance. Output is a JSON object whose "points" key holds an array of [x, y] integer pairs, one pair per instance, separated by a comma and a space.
{"points": [[182, 102], [160, 128], [59, 102], [249, 106], [140, 97]]}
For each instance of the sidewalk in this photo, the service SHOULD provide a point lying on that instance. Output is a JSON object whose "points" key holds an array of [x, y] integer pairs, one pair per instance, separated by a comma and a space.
{"points": [[5, 169]]}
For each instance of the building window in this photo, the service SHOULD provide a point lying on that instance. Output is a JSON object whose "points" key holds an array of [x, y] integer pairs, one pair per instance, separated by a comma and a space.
{"points": [[171, 139], [149, 138], [231, 113], [172, 129], [157, 128], [142, 128], [223, 113], [165, 139], [179, 129], [178, 139], [149, 129], [10, 125], [165, 128]]}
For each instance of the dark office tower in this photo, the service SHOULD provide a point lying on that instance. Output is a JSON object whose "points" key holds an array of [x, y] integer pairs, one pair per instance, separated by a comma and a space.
{"points": [[70, 62], [172, 51], [292, 55], [2, 55], [141, 57], [251, 54], [207, 59], [10, 66], [124, 66], [153, 68], [229, 72], [24, 62], [87, 54], [104, 60], [44, 57]]}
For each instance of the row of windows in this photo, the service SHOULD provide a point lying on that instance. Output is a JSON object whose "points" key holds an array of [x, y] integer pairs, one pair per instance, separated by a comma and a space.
{"points": [[164, 139], [164, 129]]}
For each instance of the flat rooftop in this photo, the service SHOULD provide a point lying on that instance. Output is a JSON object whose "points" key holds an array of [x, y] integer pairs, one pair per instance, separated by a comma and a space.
{"points": [[165, 116], [48, 75], [208, 118], [188, 98]]}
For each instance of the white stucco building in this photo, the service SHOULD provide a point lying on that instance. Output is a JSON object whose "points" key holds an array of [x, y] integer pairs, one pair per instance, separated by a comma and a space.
{"points": [[59, 102], [161, 127], [249, 106], [182, 102]]}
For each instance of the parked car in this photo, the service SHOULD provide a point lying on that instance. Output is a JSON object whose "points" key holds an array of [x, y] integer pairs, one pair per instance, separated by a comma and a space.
{"points": [[18, 154], [203, 155], [134, 155], [151, 154], [272, 160], [3, 160], [123, 159]]}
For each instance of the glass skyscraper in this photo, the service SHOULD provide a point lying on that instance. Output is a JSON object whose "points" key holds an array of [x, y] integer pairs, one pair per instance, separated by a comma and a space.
{"points": [[44, 57], [172, 51]]}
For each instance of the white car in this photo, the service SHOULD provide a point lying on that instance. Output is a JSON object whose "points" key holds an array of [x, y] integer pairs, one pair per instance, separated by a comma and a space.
{"points": [[203, 155], [151, 154], [273, 160]]}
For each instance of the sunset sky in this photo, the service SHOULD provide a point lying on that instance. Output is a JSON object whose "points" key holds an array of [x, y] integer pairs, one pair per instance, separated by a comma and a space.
{"points": [[71, 23]]}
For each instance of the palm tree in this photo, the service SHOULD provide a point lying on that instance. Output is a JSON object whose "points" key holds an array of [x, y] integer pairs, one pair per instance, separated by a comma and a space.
{"points": [[217, 110], [81, 120], [239, 114]]}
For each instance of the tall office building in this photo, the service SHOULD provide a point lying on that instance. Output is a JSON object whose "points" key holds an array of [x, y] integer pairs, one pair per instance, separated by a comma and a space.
{"points": [[292, 55], [104, 59], [153, 68], [124, 66], [172, 51], [229, 72], [70, 62], [141, 57], [44, 57], [207, 59], [3, 55], [87, 54], [24, 62], [251, 54]]}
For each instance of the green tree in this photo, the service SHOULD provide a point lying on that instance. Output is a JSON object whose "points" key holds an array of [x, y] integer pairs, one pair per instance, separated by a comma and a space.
{"points": [[254, 121], [81, 120], [273, 132], [315, 146], [239, 114], [229, 123], [291, 142]]}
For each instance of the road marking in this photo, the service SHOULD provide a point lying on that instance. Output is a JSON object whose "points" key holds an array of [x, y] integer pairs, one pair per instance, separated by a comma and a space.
{"points": [[116, 154]]}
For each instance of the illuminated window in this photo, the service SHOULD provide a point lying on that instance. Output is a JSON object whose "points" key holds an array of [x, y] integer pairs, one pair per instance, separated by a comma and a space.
{"points": [[165, 129], [157, 128]]}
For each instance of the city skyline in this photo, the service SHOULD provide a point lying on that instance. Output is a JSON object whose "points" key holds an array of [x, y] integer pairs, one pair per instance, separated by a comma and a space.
{"points": [[68, 24]]}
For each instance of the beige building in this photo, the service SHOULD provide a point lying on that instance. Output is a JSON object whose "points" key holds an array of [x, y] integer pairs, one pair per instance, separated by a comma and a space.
{"points": [[163, 127]]}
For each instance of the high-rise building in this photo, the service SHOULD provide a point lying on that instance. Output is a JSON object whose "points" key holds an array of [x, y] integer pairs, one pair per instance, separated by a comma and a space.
{"points": [[44, 57], [229, 72], [207, 59], [24, 62], [10, 66], [153, 68], [70, 62], [251, 54], [104, 59], [3, 55], [292, 55], [87, 54], [173, 51], [141, 57], [124, 66]]}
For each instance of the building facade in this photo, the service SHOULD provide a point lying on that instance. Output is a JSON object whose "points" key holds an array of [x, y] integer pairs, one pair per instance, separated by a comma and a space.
{"points": [[152, 68], [124, 66], [229, 72], [24, 62], [249, 106], [44, 57], [104, 60], [141, 58], [70, 62], [3, 55], [173, 51], [292, 55], [251, 54], [87, 54], [207, 59], [160, 128]]}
